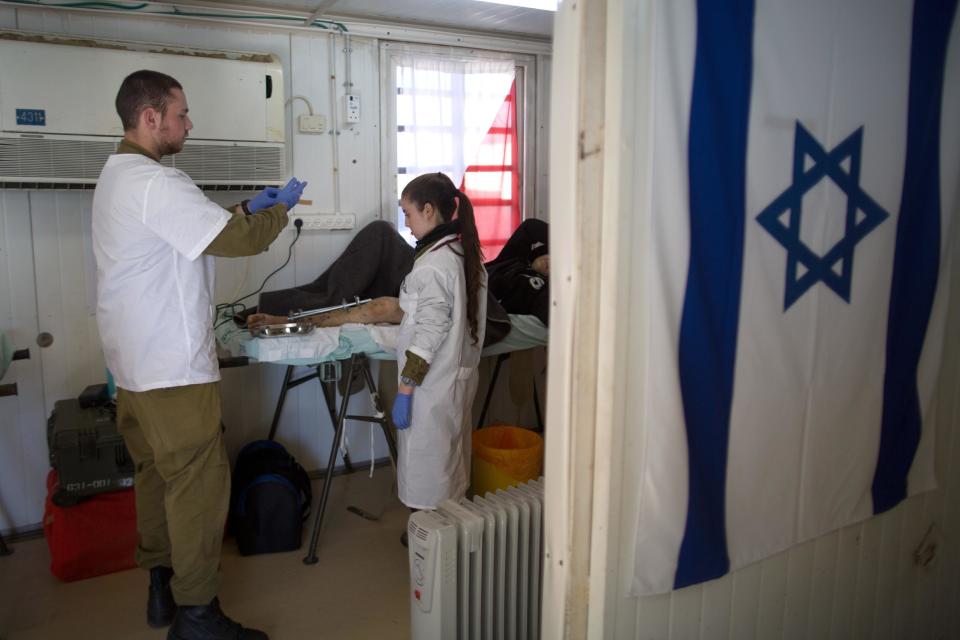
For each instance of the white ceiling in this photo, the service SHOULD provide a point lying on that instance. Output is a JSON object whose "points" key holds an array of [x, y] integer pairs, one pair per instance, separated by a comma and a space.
{"points": [[461, 15]]}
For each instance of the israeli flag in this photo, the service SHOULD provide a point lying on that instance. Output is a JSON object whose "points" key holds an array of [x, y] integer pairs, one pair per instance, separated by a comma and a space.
{"points": [[805, 184]]}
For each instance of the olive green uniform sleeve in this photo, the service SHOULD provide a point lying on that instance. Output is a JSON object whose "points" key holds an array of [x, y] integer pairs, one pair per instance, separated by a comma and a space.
{"points": [[244, 235], [247, 235], [416, 368]]}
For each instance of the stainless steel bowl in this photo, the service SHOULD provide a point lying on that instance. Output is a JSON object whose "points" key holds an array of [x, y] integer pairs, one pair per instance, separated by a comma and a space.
{"points": [[284, 330]]}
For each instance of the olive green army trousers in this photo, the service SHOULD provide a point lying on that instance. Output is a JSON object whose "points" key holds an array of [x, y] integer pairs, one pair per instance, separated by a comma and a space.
{"points": [[182, 483]]}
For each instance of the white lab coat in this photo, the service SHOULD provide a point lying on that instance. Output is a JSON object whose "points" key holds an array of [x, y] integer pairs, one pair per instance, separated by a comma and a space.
{"points": [[151, 224], [435, 449]]}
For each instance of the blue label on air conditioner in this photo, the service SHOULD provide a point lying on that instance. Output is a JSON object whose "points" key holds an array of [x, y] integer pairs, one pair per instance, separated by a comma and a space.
{"points": [[32, 117]]}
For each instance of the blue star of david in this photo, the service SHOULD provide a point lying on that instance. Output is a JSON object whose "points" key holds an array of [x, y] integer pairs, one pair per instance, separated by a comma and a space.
{"points": [[835, 267]]}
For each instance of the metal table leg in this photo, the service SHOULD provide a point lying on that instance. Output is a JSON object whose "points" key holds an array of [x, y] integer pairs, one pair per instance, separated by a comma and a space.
{"points": [[357, 360], [283, 396], [329, 396], [536, 405], [378, 408], [493, 383], [329, 390], [339, 423]]}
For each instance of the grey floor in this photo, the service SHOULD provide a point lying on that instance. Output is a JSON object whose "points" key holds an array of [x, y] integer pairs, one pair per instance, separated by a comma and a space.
{"points": [[358, 589]]}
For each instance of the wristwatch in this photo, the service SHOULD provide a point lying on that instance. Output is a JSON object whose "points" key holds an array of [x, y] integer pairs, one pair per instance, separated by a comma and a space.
{"points": [[410, 382]]}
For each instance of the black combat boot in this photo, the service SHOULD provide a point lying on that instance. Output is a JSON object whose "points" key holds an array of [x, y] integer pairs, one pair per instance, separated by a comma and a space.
{"points": [[208, 622], [160, 604]]}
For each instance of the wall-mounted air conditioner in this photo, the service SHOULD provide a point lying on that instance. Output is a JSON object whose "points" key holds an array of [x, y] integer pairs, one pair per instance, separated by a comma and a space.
{"points": [[58, 124]]}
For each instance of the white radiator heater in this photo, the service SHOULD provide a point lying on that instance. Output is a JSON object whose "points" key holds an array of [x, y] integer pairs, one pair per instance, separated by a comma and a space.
{"points": [[475, 567]]}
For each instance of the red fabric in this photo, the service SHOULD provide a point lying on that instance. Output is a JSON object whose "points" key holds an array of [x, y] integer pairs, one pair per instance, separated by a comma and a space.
{"points": [[95, 537], [493, 182]]}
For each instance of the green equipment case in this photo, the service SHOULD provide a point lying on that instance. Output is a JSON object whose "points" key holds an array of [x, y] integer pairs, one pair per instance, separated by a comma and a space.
{"points": [[86, 451]]}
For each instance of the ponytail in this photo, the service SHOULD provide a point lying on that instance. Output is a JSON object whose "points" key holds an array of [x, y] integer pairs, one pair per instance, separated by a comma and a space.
{"points": [[439, 190], [472, 260]]}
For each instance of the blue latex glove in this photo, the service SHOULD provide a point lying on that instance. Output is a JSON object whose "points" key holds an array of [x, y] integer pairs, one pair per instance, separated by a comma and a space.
{"points": [[263, 200], [290, 194], [401, 410]]}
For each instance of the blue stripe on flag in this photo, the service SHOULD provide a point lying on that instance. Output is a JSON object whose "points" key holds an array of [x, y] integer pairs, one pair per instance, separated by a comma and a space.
{"points": [[917, 256], [717, 156]]}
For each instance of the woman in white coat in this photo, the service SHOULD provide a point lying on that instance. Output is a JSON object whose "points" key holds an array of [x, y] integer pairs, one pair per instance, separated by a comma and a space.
{"points": [[438, 348]]}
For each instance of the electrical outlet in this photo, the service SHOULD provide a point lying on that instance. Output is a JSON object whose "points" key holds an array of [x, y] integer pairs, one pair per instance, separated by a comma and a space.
{"points": [[344, 221], [326, 221], [312, 123], [351, 109], [312, 222]]}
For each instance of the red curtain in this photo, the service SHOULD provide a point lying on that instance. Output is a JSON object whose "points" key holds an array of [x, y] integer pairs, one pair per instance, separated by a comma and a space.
{"points": [[493, 182]]}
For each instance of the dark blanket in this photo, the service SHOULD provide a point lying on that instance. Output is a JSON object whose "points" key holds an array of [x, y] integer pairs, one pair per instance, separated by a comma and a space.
{"points": [[373, 265], [512, 280]]}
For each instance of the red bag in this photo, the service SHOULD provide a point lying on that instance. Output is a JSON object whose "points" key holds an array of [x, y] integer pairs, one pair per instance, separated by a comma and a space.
{"points": [[95, 537]]}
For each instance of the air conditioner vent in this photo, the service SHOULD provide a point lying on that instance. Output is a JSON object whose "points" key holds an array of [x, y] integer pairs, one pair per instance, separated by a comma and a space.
{"points": [[82, 186], [224, 164], [39, 159], [31, 163]]}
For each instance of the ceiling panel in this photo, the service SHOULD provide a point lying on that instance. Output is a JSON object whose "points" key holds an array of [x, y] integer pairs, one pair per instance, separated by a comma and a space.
{"points": [[466, 15]]}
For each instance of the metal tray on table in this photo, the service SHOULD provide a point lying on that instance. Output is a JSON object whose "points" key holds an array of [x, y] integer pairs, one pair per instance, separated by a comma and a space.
{"points": [[286, 330]]}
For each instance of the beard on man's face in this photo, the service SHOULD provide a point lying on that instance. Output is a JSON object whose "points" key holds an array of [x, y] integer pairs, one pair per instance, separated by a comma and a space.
{"points": [[169, 146]]}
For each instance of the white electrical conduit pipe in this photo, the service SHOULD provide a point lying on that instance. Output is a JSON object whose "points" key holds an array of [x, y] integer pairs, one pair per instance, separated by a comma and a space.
{"points": [[335, 125]]}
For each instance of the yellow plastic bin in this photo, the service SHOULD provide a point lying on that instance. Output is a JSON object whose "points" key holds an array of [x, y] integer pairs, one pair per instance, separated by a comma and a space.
{"points": [[505, 456]]}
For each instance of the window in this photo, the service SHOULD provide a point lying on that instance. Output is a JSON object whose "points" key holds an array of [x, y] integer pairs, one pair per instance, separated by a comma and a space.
{"points": [[457, 112]]}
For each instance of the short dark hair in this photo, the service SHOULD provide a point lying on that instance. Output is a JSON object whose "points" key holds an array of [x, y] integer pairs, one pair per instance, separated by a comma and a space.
{"points": [[142, 89]]}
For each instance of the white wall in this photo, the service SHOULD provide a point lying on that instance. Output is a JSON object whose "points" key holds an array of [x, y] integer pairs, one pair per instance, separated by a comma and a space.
{"points": [[863, 581], [47, 275]]}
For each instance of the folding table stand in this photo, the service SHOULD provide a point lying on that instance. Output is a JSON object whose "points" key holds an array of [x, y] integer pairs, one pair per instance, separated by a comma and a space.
{"points": [[503, 357], [327, 373]]}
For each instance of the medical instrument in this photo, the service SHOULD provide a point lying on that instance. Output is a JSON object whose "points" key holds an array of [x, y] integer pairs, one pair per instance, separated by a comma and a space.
{"points": [[284, 330], [300, 313]]}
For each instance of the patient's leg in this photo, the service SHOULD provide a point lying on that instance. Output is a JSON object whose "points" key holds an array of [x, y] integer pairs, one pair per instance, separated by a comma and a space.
{"points": [[373, 265], [385, 309]]}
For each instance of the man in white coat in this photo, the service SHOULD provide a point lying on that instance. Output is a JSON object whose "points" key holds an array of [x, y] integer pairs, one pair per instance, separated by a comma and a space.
{"points": [[154, 237]]}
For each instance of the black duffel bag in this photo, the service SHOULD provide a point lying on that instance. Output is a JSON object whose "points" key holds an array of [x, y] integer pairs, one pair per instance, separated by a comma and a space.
{"points": [[270, 499]]}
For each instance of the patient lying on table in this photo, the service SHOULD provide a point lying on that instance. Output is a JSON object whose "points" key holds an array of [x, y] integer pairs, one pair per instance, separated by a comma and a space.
{"points": [[378, 258]]}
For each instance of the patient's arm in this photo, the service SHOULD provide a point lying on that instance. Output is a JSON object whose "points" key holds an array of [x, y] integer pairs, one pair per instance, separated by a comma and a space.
{"points": [[384, 309]]}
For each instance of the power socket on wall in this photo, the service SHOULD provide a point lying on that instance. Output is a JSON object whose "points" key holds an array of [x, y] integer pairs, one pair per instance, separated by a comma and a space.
{"points": [[351, 109], [326, 221], [311, 123]]}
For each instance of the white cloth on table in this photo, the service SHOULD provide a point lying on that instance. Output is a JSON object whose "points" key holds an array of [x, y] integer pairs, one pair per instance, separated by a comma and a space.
{"points": [[376, 341], [312, 346]]}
